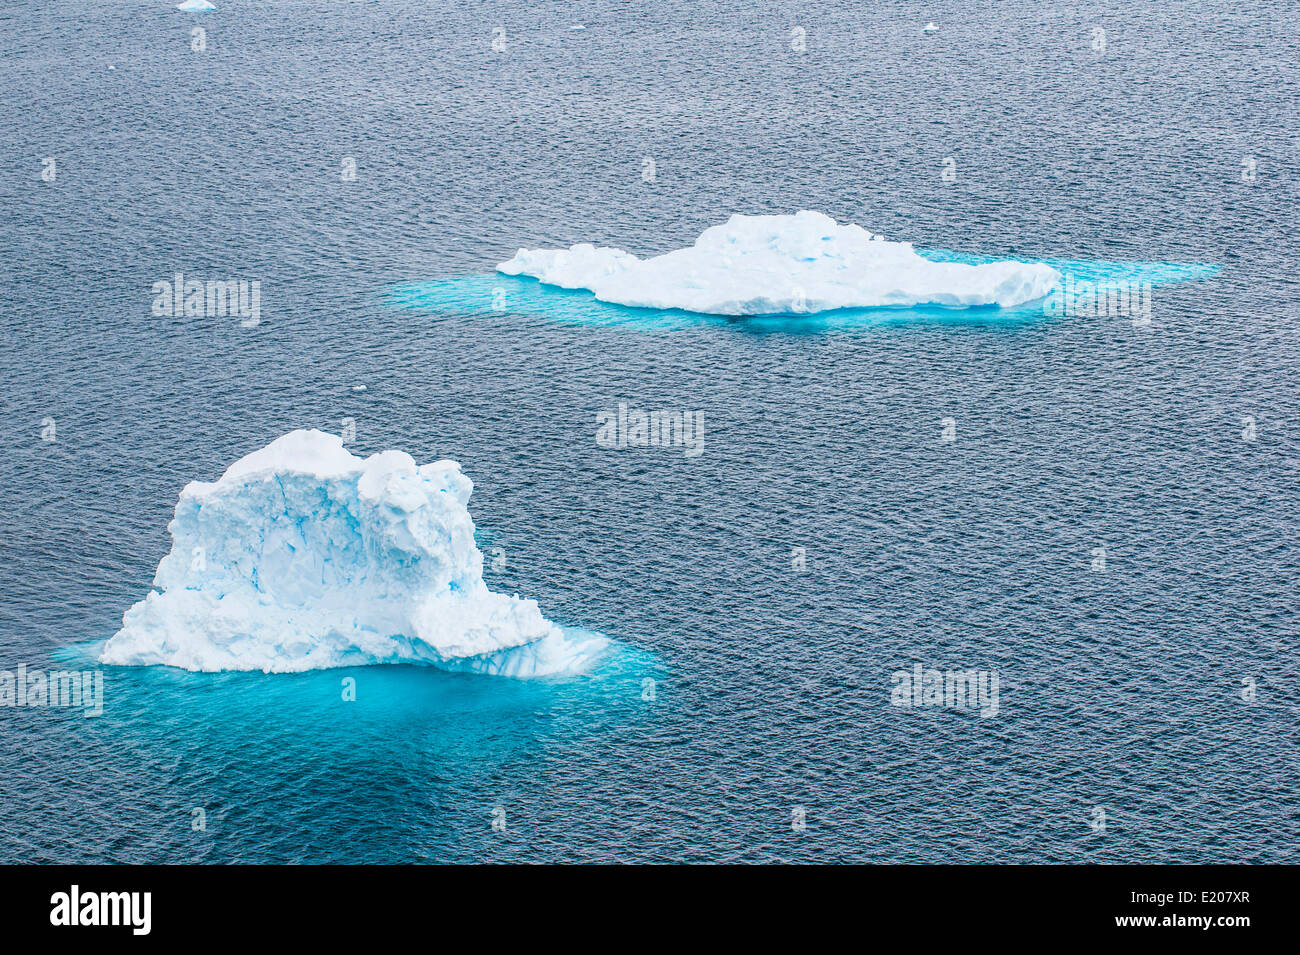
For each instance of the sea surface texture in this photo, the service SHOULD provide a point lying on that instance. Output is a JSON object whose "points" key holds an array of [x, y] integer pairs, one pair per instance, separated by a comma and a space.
{"points": [[1091, 511]]}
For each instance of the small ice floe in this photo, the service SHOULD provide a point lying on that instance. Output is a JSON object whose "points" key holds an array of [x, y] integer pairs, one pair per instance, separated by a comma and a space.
{"points": [[782, 264], [111, 66], [358, 387], [193, 6], [931, 27], [577, 26]]}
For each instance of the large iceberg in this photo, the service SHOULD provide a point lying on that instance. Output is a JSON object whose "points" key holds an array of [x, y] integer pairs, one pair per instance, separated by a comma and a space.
{"points": [[303, 556], [762, 265]]}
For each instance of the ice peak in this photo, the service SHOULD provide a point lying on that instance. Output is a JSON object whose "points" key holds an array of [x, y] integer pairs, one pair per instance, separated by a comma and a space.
{"points": [[303, 555]]}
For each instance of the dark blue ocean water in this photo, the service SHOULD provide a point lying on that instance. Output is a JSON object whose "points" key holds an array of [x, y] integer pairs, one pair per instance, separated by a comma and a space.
{"points": [[1121, 690]]}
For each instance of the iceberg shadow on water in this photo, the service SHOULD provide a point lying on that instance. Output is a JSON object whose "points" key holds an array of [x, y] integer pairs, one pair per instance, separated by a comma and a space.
{"points": [[298, 734], [485, 294], [793, 273], [499, 293]]}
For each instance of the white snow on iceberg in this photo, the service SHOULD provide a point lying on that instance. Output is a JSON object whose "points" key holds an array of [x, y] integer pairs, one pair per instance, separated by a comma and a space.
{"points": [[195, 5], [765, 265], [303, 556]]}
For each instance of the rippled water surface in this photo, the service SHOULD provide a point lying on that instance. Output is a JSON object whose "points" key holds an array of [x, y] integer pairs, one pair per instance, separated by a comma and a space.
{"points": [[747, 689]]}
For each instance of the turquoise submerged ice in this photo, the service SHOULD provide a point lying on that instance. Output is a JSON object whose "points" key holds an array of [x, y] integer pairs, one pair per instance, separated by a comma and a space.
{"points": [[766, 265], [303, 556]]}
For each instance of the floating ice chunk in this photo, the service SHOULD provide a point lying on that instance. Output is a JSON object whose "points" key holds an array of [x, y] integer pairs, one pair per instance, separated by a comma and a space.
{"points": [[191, 6], [303, 556], [761, 265], [930, 27]]}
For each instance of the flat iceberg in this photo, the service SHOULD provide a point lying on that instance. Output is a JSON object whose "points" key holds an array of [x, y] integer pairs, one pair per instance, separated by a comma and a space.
{"points": [[771, 265], [304, 556], [195, 5]]}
